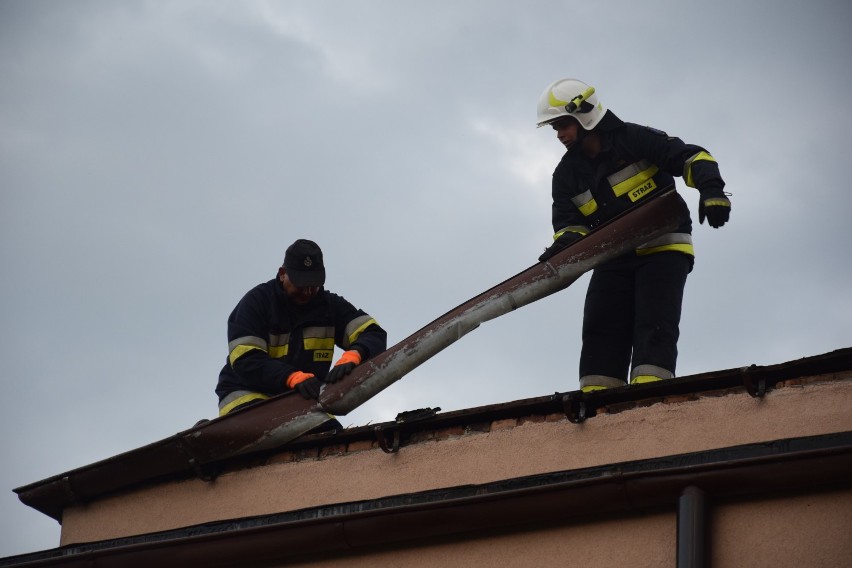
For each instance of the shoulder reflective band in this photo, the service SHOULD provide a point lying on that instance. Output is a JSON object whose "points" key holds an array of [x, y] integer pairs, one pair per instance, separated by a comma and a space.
{"points": [[354, 328]]}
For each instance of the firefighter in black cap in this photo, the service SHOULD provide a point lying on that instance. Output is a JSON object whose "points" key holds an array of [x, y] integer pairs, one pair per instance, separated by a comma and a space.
{"points": [[282, 335]]}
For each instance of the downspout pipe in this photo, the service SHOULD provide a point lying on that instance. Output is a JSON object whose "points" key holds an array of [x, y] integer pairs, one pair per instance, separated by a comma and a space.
{"points": [[692, 529]]}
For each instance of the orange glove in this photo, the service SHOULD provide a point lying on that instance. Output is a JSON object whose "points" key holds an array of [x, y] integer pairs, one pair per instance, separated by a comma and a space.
{"points": [[348, 361], [306, 383]]}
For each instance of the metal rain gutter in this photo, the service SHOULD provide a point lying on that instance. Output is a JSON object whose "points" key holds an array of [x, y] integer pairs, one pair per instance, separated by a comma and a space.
{"points": [[286, 421], [627, 232], [284, 418]]}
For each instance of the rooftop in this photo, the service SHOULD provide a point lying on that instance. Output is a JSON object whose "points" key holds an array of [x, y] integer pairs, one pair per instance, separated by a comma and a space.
{"points": [[209, 449]]}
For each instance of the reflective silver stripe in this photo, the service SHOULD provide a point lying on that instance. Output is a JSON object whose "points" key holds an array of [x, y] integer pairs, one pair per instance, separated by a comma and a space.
{"points": [[319, 338], [633, 169], [249, 340], [279, 339], [354, 328], [242, 345], [668, 239], [650, 370], [600, 381], [321, 332], [234, 397], [585, 202]]}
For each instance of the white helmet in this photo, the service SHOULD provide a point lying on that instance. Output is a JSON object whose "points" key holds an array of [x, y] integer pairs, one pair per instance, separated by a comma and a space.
{"points": [[570, 97]]}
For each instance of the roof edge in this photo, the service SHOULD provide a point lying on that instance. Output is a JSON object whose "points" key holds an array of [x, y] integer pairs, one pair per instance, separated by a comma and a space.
{"points": [[172, 457], [734, 473]]}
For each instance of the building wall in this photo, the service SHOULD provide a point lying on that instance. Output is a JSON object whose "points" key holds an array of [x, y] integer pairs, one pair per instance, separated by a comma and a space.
{"points": [[646, 542], [813, 531], [453, 457]]}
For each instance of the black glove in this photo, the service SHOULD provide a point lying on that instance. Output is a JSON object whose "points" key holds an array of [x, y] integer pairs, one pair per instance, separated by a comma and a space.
{"points": [[310, 388], [717, 210], [348, 361], [559, 244], [339, 371]]}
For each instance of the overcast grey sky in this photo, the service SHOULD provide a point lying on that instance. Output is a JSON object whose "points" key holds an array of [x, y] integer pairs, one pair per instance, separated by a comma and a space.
{"points": [[157, 157]]}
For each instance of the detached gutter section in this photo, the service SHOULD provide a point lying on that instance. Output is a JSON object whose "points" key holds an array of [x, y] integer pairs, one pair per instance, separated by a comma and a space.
{"points": [[683, 482], [284, 418]]}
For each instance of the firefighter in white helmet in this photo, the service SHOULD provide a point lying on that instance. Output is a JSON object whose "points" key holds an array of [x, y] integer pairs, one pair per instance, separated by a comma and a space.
{"points": [[633, 303]]}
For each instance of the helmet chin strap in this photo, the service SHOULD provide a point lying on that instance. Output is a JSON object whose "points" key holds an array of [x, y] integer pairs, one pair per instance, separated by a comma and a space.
{"points": [[578, 143]]}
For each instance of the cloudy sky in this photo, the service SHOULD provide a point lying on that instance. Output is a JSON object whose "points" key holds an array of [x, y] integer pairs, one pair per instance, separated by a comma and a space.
{"points": [[157, 157]]}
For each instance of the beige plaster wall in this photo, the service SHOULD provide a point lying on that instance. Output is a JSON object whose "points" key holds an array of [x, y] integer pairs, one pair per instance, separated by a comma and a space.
{"points": [[508, 451], [813, 531], [647, 542]]}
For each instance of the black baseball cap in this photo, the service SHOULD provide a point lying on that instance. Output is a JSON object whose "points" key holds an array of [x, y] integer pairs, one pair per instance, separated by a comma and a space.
{"points": [[303, 262]]}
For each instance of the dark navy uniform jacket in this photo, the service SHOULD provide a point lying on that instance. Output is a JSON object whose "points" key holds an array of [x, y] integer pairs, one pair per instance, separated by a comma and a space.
{"points": [[270, 337], [635, 162]]}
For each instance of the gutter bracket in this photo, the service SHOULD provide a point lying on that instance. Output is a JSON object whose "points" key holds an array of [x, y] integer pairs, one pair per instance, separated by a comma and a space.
{"points": [[756, 387], [65, 484], [574, 406], [203, 472], [383, 441]]}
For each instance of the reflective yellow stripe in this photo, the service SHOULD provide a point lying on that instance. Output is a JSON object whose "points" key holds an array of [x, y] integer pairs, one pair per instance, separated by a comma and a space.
{"points": [[241, 350], [649, 373], [360, 323], [279, 351], [634, 179], [717, 202], [320, 340], [687, 166], [241, 400], [582, 231], [596, 382], [279, 345], [644, 379], [554, 102], [589, 208], [680, 247], [319, 343], [681, 242], [318, 337], [585, 202]]}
